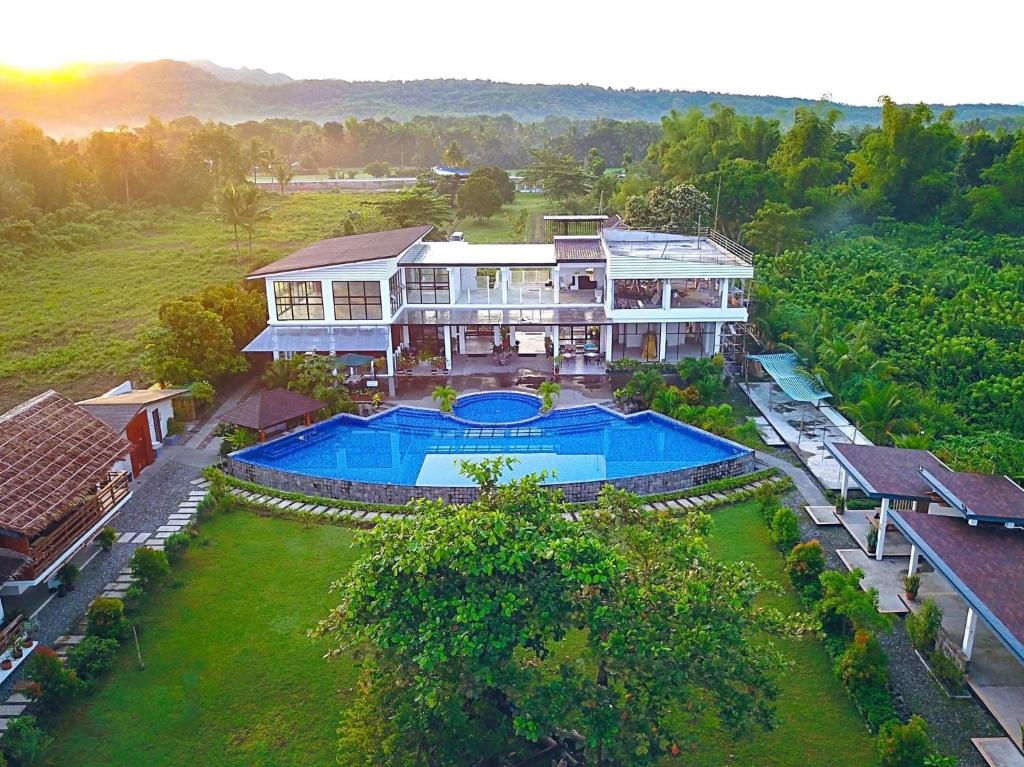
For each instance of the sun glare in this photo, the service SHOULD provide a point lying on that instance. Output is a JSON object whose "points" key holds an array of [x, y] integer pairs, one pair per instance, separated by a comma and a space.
{"points": [[62, 74]]}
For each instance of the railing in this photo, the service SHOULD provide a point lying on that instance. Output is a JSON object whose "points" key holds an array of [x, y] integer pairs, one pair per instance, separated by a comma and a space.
{"points": [[48, 548], [733, 247], [10, 633]]}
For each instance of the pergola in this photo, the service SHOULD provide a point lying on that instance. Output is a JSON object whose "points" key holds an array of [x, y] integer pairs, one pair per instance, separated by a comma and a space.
{"points": [[267, 409]]}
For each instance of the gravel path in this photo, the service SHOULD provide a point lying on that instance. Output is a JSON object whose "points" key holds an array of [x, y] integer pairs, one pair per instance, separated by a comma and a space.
{"points": [[952, 722]]}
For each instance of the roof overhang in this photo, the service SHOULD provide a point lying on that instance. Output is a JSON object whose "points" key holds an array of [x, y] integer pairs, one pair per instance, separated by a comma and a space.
{"points": [[326, 338]]}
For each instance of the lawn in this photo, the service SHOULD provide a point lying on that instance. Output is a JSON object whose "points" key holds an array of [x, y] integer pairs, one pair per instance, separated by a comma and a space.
{"points": [[231, 679], [499, 227], [76, 328]]}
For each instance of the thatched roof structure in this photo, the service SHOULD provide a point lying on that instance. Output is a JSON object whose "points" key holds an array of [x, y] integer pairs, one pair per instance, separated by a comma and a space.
{"points": [[270, 408]]}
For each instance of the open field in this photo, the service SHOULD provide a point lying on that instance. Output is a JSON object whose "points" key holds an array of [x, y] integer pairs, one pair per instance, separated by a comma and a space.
{"points": [[231, 679], [499, 228], [78, 315]]}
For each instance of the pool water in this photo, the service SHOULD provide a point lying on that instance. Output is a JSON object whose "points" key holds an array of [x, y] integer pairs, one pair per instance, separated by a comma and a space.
{"points": [[497, 407], [415, 446]]}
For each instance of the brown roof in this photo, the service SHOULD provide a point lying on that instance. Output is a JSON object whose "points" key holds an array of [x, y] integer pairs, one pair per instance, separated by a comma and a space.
{"points": [[135, 397], [347, 250], [982, 496], [986, 560], [117, 417], [888, 471], [578, 249], [52, 452], [269, 408]]}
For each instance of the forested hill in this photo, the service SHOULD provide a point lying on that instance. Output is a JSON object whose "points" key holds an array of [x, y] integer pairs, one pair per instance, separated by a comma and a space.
{"points": [[169, 89]]}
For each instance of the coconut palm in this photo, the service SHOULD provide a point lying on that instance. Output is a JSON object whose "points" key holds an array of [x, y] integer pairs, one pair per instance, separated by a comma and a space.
{"points": [[283, 174], [253, 210], [548, 391], [445, 396], [258, 155], [877, 412], [231, 203], [667, 400]]}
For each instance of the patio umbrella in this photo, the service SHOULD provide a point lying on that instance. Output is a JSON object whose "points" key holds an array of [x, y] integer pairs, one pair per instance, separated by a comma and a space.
{"points": [[351, 361]]}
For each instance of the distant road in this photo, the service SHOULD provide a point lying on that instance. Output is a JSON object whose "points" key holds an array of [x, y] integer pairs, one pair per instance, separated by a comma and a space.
{"points": [[341, 185]]}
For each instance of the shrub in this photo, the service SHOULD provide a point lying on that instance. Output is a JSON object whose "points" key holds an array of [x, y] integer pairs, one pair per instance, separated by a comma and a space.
{"points": [[904, 745], [106, 538], [845, 607], [923, 625], [911, 585], [175, 545], [864, 663], [767, 502], [804, 566], [69, 575], [150, 567], [92, 657], [105, 619], [24, 741], [55, 684], [784, 530], [874, 705], [946, 670]]}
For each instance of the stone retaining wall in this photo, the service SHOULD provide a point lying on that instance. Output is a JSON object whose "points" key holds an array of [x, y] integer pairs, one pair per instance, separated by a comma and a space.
{"points": [[370, 492]]}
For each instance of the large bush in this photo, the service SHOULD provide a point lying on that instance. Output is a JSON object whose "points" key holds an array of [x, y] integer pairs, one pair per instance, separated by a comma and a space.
{"points": [[105, 618], [804, 566], [24, 741], [150, 567], [923, 625], [784, 530], [92, 657], [54, 684], [904, 745], [864, 662]]}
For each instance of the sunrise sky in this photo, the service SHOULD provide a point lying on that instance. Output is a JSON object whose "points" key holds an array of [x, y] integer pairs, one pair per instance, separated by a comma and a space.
{"points": [[853, 52]]}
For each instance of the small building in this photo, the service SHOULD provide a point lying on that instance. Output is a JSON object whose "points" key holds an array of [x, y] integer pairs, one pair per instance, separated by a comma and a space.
{"points": [[58, 487], [142, 416], [271, 411], [448, 171]]}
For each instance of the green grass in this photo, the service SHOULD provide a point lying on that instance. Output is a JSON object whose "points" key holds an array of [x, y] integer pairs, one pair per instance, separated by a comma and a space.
{"points": [[78, 314], [498, 228], [231, 679], [818, 724]]}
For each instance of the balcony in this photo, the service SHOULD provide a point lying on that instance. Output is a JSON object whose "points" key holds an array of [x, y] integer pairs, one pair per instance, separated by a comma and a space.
{"points": [[524, 294], [66, 534]]}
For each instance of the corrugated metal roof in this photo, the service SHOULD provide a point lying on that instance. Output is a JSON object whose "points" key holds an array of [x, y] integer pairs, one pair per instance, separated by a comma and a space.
{"points": [[784, 370], [578, 249]]}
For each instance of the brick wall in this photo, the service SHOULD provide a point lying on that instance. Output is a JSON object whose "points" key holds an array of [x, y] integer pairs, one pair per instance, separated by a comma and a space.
{"points": [[368, 492]]}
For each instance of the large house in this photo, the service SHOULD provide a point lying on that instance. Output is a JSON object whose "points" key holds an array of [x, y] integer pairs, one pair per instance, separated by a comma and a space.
{"points": [[602, 295]]}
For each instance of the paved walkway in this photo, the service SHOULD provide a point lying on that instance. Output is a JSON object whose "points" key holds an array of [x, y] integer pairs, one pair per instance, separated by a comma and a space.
{"points": [[805, 485]]}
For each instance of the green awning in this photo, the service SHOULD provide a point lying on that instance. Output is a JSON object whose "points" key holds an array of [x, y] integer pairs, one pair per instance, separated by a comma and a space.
{"points": [[785, 371]]}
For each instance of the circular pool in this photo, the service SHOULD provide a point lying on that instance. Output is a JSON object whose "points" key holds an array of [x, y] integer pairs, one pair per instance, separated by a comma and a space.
{"points": [[493, 408]]}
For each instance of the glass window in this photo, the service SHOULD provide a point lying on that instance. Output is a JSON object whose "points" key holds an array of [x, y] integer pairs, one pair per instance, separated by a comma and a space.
{"points": [[395, 289], [427, 285], [298, 301], [357, 301]]}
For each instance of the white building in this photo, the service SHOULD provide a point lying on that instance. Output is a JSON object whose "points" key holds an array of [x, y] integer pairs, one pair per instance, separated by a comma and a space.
{"points": [[592, 298]]}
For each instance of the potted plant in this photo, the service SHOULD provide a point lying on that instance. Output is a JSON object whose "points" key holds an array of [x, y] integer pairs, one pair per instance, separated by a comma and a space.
{"points": [[377, 400], [6, 664], [840, 506], [69, 575], [15, 649], [558, 359], [911, 585], [872, 540]]}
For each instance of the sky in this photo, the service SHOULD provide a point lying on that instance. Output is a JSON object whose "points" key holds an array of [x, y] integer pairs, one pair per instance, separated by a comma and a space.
{"points": [[938, 51]]}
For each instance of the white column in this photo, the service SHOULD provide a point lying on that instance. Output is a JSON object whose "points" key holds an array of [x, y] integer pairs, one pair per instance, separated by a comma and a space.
{"points": [[718, 337], [969, 629], [554, 340], [883, 522], [503, 277], [448, 346], [666, 294], [556, 283], [391, 361], [662, 342], [327, 290], [725, 292], [915, 555], [512, 336], [844, 479], [405, 336], [607, 338]]}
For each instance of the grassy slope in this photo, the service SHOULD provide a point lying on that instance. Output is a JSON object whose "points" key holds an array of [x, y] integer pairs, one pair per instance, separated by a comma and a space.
{"points": [[79, 314], [818, 724], [231, 680]]}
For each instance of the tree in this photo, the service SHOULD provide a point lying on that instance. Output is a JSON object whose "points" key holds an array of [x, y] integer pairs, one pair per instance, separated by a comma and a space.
{"points": [[877, 413], [806, 158], [479, 197], [776, 227], [253, 211], [548, 391], [453, 156], [377, 169], [677, 209], [190, 342], [736, 190], [501, 181], [445, 396], [413, 207], [560, 176], [461, 613], [258, 156], [283, 174]]}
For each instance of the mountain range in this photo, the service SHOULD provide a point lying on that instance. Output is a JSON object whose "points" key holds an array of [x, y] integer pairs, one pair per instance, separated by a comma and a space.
{"points": [[129, 94]]}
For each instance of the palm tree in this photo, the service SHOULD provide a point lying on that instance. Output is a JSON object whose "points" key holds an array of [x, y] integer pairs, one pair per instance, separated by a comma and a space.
{"points": [[876, 414], [258, 154], [445, 396], [667, 400], [283, 174], [548, 391], [253, 210], [231, 210]]}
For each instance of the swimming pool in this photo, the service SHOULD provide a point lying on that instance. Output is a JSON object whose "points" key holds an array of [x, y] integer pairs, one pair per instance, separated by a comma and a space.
{"points": [[414, 447]]}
